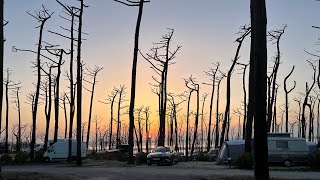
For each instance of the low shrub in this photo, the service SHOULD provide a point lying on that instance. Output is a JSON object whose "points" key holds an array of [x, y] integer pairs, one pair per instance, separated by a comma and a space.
{"points": [[6, 159], [39, 156], [141, 158], [314, 161], [21, 157], [202, 156], [122, 156], [244, 161]]}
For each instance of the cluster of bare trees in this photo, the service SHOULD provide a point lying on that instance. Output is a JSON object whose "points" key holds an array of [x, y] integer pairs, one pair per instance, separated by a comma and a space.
{"points": [[194, 130]]}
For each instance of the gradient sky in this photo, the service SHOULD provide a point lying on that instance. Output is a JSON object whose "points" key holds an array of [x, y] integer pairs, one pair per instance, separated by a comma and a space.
{"points": [[205, 29]]}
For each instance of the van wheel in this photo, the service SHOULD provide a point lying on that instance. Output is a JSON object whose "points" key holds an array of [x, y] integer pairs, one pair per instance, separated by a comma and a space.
{"points": [[287, 163]]}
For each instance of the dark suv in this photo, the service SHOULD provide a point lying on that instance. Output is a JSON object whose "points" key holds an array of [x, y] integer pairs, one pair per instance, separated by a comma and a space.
{"points": [[162, 154]]}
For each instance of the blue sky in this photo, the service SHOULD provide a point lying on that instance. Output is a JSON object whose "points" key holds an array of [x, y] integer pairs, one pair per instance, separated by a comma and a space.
{"points": [[206, 30]]}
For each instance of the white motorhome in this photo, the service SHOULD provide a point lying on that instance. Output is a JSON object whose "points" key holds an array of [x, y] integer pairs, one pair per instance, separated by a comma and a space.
{"points": [[287, 150], [59, 150]]}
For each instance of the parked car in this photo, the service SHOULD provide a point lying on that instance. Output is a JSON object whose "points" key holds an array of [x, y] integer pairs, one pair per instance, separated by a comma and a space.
{"points": [[59, 150], [213, 153], [162, 154]]}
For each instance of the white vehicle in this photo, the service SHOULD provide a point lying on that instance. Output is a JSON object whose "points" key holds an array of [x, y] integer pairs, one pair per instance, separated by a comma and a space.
{"points": [[59, 150], [281, 149], [287, 150]]}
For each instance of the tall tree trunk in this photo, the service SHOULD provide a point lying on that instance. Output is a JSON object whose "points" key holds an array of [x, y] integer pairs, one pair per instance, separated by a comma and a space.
{"points": [[286, 97], [211, 108], [227, 110], [79, 86], [6, 143], [259, 28], [65, 117], [196, 121], [187, 126], [72, 90], [36, 99], [133, 82], [217, 116], [56, 98], [90, 109]]}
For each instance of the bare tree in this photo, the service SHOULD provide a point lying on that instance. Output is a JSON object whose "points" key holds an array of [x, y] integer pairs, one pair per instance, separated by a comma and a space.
{"points": [[41, 16], [244, 31], [16, 92], [160, 58], [65, 97], [9, 85], [121, 92], [306, 98], [212, 73], [147, 115], [217, 110], [204, 97], [275, 36], [193, 86], [259, 48], [286, 96], [47, 88], [134, 71], [93, 74], [72, 12]]}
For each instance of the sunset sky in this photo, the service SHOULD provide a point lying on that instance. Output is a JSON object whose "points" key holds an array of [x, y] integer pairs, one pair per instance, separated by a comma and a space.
{"points": [[205, 29]]}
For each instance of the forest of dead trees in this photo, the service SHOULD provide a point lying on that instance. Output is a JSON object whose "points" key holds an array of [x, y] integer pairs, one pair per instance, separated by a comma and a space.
{"points": [[187, 128]]}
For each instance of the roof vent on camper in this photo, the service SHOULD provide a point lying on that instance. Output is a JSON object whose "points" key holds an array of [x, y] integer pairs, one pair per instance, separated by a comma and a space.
{"points": [[279, 134]]}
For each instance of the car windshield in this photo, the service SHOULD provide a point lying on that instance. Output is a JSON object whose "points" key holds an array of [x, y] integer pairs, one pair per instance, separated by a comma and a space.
{"points": [[161, 149]]}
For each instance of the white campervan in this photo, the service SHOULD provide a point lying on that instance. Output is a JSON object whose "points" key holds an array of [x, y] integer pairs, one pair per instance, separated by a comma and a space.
{"points": [[287, 150], [59, 150]]}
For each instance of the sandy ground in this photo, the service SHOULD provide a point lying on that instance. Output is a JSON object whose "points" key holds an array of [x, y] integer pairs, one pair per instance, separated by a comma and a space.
{"points": [[114, 170]]}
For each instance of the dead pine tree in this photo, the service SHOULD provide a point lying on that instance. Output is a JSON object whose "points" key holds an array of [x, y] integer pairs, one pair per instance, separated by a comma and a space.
{"points": [[41, 16], [160, 58], [64, 99], [286, 96], [212, 73], [111, 100], [244, 68], [305, 102], [139, 112], [121, 92], [71, 11], [136, 3], [79, 81], [191, 90], [244, 32], [16, 93], [259, 55], [204, 97], [274, 36], [92, 73], [219, 79], [175, 109], [97, 121], [9, 85], [57, 52], [193, 86], [4, 23], [47, 88], [147, 115]]}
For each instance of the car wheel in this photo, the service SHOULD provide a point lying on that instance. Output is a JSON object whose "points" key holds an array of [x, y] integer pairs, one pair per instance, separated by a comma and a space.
{"points": [[287, 163], [171, 162], [158, 164], [149, 164]]}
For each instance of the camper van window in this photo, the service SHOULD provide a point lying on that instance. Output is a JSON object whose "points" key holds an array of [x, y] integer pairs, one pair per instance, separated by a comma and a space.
{"points": [[282, 144]]}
